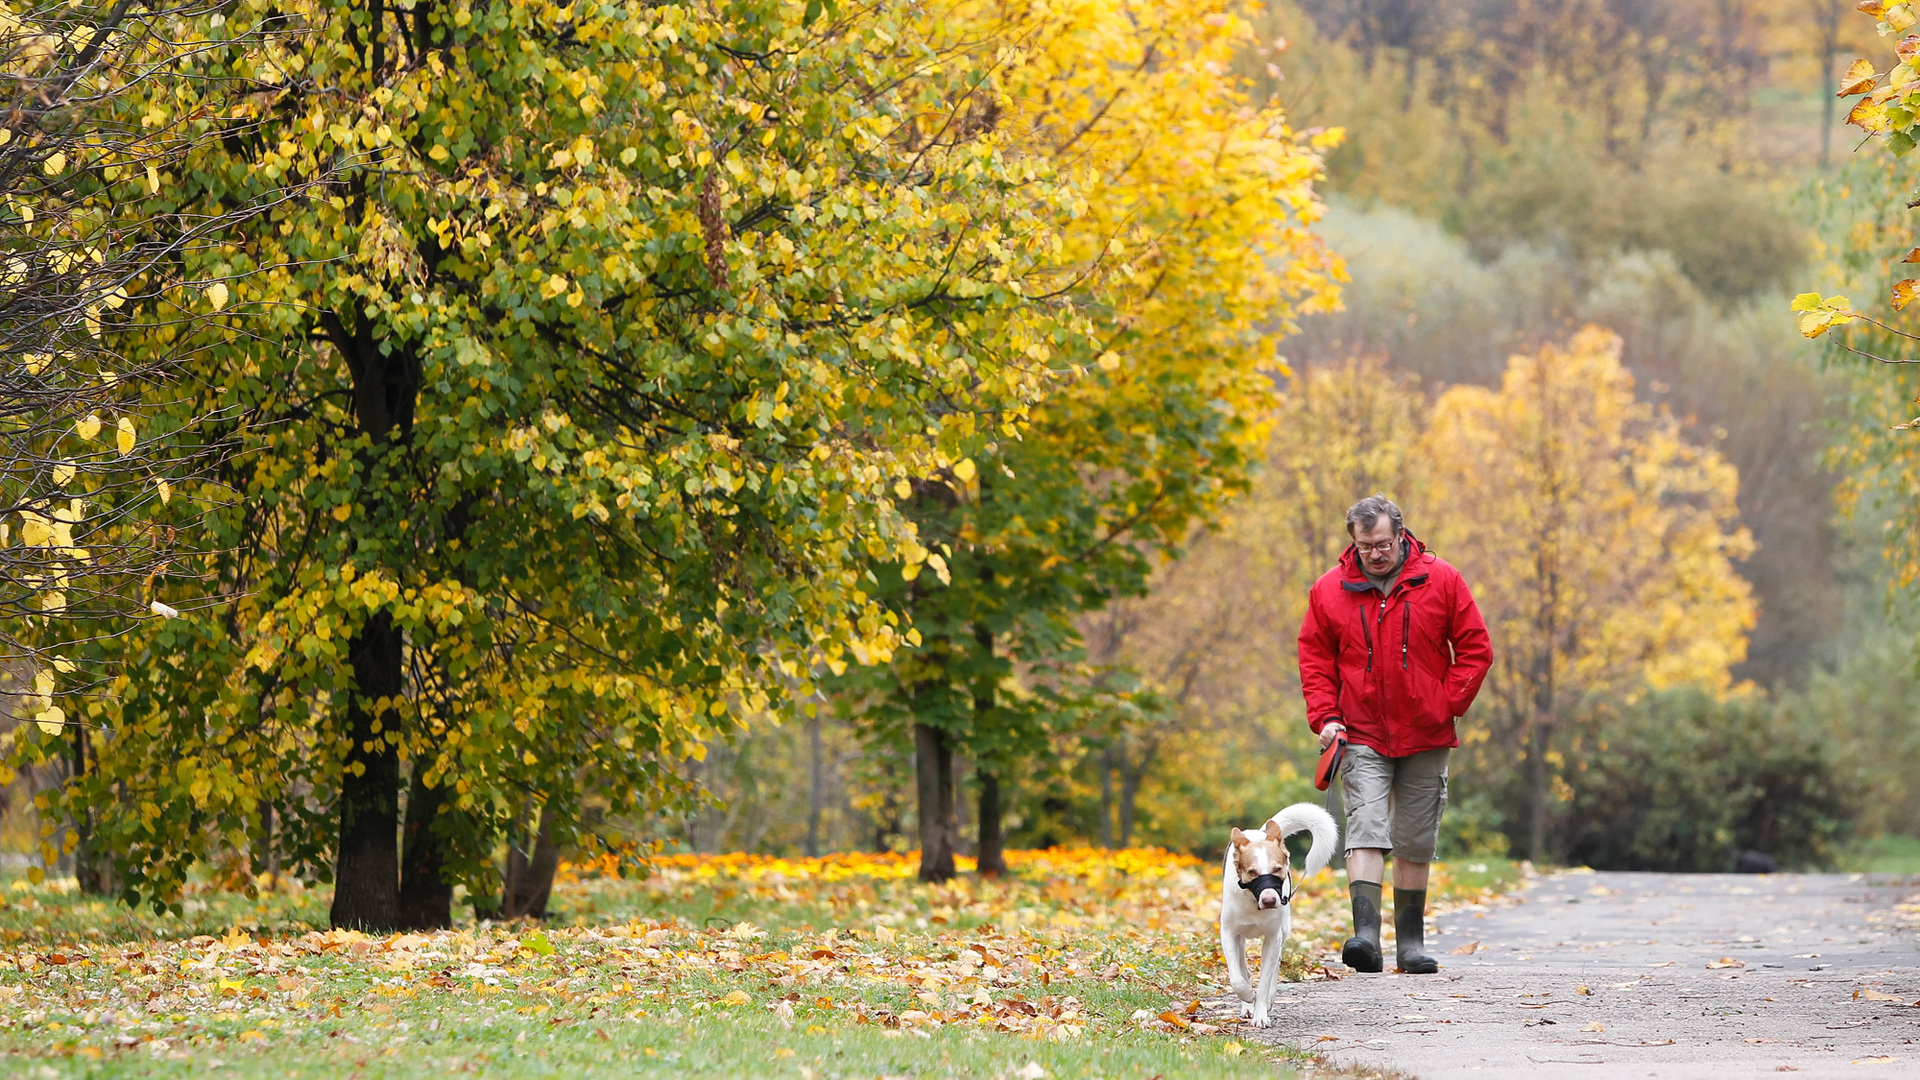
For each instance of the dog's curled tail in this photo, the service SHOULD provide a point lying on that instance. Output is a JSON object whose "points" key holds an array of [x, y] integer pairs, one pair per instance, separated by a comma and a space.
{"points": [[1306, 817]]}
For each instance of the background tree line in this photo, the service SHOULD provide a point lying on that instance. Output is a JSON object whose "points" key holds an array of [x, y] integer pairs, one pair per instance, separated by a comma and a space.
{"points": [[650, 435], [1511, 173]]}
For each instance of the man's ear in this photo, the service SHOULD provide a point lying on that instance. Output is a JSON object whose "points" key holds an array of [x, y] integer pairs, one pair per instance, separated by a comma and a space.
{"points": [[1273, 832]]}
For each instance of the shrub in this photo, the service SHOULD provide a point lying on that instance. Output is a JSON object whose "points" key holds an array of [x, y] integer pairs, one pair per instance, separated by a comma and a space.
{"points": [[1680, 781]]}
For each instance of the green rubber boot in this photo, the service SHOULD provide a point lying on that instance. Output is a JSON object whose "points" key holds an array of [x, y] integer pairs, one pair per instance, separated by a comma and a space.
{"points": [[1410, 932], [1362, 950]]}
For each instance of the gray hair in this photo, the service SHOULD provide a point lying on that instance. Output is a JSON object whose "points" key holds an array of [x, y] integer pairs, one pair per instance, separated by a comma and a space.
{"points": [[1365, 513]]}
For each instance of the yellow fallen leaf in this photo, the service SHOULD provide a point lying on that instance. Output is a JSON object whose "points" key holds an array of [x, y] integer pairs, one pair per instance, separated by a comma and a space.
{"points": [[1870, 994], [1595, 1026], [1583, 988], [1725, 962], [737, 997], [1468, 949], [1233, 1049], [1883, 1059]]}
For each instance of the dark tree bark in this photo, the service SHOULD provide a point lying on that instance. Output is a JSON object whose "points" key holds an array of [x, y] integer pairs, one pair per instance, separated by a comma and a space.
{"points": [[529, 882], [993, 854], [386, 388], [939, 827], [366, 878], [92, 867], [426, 896]]}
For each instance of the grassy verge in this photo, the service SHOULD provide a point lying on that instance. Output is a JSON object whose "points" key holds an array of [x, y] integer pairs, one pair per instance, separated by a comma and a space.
{"points": [[1883, 855], [1081, 964]]}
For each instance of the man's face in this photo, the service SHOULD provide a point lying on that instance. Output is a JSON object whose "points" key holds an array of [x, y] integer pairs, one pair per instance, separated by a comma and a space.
{"points": [[1379, 547]]}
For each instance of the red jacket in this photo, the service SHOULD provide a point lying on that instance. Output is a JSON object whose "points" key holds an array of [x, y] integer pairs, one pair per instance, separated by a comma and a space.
{"points": [[1396, 670]]}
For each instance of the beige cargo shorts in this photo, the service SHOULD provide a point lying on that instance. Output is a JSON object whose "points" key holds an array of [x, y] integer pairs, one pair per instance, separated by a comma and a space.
{"points": [[1395, 803]]}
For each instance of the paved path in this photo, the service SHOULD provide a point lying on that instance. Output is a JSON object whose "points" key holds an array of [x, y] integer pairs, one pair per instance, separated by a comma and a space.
{"points": [[1601, 975]]}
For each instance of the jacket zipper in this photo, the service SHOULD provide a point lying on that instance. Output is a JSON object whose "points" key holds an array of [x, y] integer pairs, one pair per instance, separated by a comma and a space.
{"points": [[1405, 620], [1368, 631]]}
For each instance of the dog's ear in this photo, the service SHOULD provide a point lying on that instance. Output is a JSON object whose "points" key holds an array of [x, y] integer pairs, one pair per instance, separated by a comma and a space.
{"points": [[1239, 838], [1273, 832]]}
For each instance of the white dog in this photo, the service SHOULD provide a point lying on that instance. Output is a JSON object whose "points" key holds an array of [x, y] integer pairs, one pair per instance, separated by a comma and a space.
{"points": [[1255, 896]]}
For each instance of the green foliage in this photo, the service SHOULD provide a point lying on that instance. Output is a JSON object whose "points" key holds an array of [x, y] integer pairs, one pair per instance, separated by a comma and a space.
{"points": [[563, 429], [1679, 781]]}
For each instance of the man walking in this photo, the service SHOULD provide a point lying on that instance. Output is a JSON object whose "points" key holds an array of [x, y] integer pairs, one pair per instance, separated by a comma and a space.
{"points": [[1393, 648]]}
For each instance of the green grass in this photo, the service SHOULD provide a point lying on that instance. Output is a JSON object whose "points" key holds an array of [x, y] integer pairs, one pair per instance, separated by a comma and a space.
{"points": [[1883, 855]]}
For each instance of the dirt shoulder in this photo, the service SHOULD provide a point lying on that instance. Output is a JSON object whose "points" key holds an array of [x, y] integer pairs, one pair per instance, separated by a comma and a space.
{"points": [[1644, 975]]}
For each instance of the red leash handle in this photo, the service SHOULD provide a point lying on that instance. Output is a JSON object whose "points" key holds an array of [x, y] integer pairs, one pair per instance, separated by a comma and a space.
{"points": [[1330, 759]]}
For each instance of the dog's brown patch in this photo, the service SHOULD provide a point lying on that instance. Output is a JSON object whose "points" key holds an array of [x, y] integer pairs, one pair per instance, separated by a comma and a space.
{"points": [[1245, 844]]}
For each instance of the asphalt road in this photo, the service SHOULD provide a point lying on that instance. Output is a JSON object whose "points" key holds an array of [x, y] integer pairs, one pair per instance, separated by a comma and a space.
{"points": [[1601, 975]]}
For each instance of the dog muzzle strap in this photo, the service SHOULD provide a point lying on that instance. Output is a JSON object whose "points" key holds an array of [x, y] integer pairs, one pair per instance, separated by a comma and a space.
{"points": [[1276, 882]]}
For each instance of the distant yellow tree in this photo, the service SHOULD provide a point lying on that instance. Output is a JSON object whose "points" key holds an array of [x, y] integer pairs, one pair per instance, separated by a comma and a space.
{"points": [[1599, 542]]}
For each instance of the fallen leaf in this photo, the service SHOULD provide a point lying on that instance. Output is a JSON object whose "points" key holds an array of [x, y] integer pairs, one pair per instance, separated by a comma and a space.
{"points": [[1175, 1019], [1468, 949], [1883, 1059], [1725, 962], [1595, 1026], [1583, 988], [1870, 994]]}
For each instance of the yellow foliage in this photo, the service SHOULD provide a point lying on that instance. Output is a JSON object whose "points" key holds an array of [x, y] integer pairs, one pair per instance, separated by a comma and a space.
{"points": [[1599, 542]]}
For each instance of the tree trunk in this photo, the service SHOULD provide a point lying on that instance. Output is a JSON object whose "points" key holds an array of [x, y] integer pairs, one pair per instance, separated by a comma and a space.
{"points": [[269, 856], [1828, 15], [426, 896], [939, 828], [816, 786], [1106, 798], [366, 879], [1537, 777], [1132, 775], [993, 854], [92, 867], [530, 880]]}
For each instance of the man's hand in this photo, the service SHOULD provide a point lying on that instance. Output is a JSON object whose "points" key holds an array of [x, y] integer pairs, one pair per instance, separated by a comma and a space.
{"points": [[1329, 731]]}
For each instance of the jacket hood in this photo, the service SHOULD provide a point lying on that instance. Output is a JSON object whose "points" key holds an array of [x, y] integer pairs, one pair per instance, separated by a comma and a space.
{"points": [[1350, 559]]}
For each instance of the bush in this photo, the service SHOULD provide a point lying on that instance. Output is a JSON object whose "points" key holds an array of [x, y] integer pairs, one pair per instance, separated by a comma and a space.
{"points": [[1680, 781]]}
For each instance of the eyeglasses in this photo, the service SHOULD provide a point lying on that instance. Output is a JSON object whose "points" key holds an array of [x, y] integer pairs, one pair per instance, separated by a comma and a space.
{"points": [[1382, 548]]}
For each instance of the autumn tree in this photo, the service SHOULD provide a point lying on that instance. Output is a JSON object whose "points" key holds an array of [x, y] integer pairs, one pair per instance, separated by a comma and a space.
{"points": [[564, 426], [1215, 636], [1601, 545], [1197, 203], [88, 463]]}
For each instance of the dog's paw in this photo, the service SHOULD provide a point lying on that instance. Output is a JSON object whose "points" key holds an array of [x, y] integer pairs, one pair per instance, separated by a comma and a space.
{"points": [[1259, 1019], [1244, 993]]}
